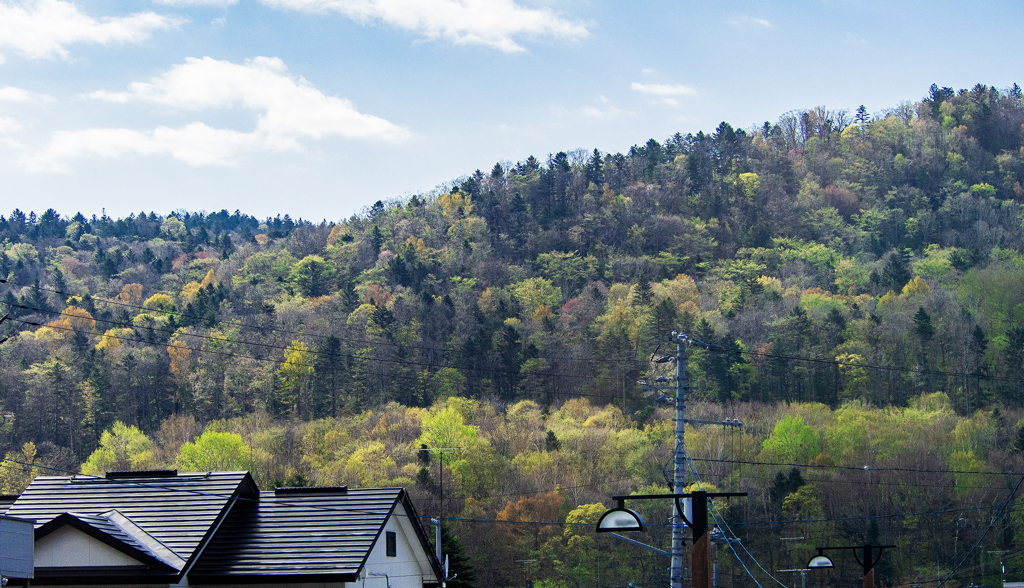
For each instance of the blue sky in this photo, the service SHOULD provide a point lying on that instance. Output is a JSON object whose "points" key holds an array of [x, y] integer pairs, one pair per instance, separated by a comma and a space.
{"points": [[317, 108]]}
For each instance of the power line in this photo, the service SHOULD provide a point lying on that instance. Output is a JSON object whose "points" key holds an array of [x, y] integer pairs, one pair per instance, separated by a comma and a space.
{"points": [[863, 468], [985, 534], [278, 347], [869, 517], [273, 329], [363, 371], [700, 485], [288, 504], [867, 365]]}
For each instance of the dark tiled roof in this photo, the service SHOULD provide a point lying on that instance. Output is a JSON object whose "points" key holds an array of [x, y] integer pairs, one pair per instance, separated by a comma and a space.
{"points": [[179, 511], [6, 500], [320, 534]]}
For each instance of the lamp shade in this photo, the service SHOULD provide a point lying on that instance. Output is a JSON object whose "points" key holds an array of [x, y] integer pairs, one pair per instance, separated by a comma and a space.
{"points": [[820, 561], [620, 519]]}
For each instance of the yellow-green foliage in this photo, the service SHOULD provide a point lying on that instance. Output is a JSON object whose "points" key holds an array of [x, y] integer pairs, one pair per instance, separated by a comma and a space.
{"points": [[791, 441], [122, 447], [213, 452], [820, 301], [265, 266], [534, 293], [935, 262]]}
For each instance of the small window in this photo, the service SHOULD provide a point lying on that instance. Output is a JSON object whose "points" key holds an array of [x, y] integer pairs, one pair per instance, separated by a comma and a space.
{"points": [[392, 543]]}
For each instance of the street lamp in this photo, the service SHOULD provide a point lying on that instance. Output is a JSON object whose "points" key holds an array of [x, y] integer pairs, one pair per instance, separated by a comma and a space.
{"points": [[620, 519], [820, 561], [865, 555]]}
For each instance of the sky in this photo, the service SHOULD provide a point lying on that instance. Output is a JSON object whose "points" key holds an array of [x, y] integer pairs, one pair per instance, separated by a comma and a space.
{"points": [[318, 108]]}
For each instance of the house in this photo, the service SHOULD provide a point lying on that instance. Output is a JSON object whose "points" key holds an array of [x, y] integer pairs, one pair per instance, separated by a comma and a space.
{"points": [[165, 528]]}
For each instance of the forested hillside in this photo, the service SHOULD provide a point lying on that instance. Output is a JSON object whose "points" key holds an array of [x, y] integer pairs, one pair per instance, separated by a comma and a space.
{"points": [[863, 275]]}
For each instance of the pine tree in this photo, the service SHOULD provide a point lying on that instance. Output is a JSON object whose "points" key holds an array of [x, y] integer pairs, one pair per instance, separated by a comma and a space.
{"points": [[460, 570], [862, 117], [896, 274], [644, 294]]}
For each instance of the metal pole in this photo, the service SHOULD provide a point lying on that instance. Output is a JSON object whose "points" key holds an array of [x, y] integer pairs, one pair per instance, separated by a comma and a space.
{"points": [[715, 564], [679, 481], [869, 567], [700, 564]]}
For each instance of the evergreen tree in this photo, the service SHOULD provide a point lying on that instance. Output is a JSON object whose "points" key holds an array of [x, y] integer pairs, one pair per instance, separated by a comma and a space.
{"points": [[862, 117], [896, 273]]}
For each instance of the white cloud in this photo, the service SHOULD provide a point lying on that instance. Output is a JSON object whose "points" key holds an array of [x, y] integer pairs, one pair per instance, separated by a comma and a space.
{"points": [[664, 90], [744, 22], [603, 110], [216, 3], [647, 71], [42, 28], [289, 109], [9, 125], [196, 144], [12, 94], [852, 39], [484, 22]]}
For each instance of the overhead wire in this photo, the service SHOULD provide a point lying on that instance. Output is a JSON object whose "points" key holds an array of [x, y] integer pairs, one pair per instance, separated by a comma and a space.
{"points": [[855, 468], [264, 345], [835, 362], [277, 329], [696, 477], [206, 350], [991, 524], [232, 496]]}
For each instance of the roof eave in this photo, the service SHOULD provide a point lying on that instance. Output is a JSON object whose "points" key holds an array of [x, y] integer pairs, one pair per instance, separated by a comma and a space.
{"points": [[70, 520], [265, 578]]}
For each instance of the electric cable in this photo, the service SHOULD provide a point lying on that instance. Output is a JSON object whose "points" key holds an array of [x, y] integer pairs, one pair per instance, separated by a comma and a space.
{"points": [[362, 371], [265, 345], [992, 523], [700, 485], [862, 468], [918, 371], [270, 329]]}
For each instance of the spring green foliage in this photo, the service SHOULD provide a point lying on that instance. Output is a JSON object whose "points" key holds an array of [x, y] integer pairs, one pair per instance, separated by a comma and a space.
{"points": [[214, 451], [562, 467], [890, 251], [123, 447]]}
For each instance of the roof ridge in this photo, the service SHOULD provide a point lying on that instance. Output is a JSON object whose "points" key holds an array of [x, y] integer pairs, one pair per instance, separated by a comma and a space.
{"points": [[152, 545]]}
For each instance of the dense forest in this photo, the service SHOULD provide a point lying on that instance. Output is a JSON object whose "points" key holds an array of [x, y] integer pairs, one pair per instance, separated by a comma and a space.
{"points": [[861, 276]]}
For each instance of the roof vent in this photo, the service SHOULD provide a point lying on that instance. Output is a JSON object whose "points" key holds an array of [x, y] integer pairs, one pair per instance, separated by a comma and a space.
{"points": [[142, 474], [303, 491]]}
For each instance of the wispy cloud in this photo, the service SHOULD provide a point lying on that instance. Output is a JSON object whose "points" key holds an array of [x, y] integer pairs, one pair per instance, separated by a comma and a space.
{"points": [[743, 22], [12, 94], [852, 39], [494, 23], [43, 28], [220, 3], [666, 93], [9, 125], [289, 109], [664, 89], [601, 109]]}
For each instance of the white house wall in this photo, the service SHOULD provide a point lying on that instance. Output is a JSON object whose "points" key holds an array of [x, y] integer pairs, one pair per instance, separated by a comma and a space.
{"points": [[68, 547], [408, 569]]}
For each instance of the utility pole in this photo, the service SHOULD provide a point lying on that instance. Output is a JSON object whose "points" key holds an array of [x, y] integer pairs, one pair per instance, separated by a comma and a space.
{"points": [[701, 547], [621, 518], [440, 452], [679, 479]]}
